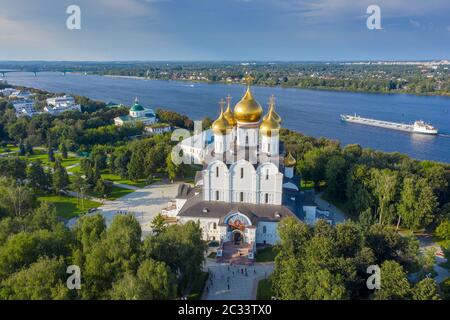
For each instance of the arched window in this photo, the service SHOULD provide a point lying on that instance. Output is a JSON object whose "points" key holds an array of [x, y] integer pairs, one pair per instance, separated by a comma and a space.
{"points": [[242, 197], [267, 174], [215, 226], [264, 229], [267, 198], [217, 195], [217, 172], [246, 140], [242, 173]]}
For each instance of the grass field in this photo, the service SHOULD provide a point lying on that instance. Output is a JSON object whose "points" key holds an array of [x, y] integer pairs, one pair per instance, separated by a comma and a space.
{"points": [[264, 291], [115, 178], [42, 155], [265, 255], [67, 207], [117, 192]]}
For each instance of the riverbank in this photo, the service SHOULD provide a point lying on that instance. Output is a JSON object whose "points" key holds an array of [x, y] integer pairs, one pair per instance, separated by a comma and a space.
{"points": [[314, 113], [317, 88]]}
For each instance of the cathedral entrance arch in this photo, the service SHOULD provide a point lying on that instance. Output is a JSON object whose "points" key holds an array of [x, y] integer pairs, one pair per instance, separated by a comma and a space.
{"points": [[238, 237]]}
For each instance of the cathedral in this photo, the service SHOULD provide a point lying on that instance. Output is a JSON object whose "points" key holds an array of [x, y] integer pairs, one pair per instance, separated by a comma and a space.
{"points": [[248, 182]]}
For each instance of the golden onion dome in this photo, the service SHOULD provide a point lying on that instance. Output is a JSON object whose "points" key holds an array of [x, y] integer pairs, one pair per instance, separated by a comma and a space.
{"points": [[289, 160], [275, 115], [221, 125], [269, 125], [228, 114], [248, 109]]}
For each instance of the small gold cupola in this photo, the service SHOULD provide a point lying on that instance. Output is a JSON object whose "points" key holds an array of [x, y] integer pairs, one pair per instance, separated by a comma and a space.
{"points": [[275, 115], [289, 160], [221, 125], [270, 125], [248, 109], [228, 114]]}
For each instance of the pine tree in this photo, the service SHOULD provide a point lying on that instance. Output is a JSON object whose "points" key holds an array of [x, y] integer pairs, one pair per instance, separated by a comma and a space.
{"points": [[60, 177], [63, 150], [51, 154]]}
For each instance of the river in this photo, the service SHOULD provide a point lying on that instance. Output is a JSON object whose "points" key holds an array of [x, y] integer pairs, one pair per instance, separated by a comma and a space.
{"points": [[310, 112]]}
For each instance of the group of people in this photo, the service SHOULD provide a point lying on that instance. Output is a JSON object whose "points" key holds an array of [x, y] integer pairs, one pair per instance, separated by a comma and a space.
{"points": [[232, 270]]}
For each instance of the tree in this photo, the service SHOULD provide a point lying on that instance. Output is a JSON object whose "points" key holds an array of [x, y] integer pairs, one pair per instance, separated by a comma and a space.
{"points": [[42, 280], [335, 177], [182, 249], [16, 200], [154, 281], [417, 203], [158, 224], [385, 186], [99, 157], [63, 150], [443, 230], [60, 177], [22, 150], [426, 289], [103, 188], [173, 170], [394, 283], [51, 154], [79, 185], [37, 178]]}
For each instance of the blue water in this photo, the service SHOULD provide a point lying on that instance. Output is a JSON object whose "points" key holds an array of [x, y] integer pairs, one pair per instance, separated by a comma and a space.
{"points": [[311, 112]]}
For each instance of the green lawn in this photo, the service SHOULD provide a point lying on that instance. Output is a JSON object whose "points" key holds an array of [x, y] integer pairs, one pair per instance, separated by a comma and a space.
{"points": [[264, 291], [76, 169], [42, 155], [67, 207], [266, 254], [115, 178], [117, 192]]}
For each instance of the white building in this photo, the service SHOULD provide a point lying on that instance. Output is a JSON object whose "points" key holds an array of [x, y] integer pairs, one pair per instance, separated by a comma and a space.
{"points": [[158, 128], [57, 105], [137, 114], [24, 107], [245, 188], [7, 92], [21, 94]]}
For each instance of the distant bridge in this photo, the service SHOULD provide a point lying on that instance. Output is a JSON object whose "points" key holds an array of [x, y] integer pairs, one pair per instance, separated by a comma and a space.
{"points": [[4, 73]]}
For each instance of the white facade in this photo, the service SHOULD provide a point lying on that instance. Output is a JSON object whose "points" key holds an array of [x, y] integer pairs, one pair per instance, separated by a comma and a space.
{"points": [[242, 183], [61, 102], [25, 108]]}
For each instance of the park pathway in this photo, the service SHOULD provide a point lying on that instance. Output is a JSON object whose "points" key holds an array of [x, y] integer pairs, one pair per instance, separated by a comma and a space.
{"points": [[338, 215], [234, 282]]}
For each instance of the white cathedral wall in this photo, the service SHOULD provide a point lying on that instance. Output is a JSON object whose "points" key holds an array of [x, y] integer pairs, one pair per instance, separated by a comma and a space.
{"points": [[244, 132], [270, 145], [270, 236], [216, 180], [270, 182], [243, 180]]}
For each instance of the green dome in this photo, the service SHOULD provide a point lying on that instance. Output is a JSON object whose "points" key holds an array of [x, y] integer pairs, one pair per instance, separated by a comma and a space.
{"points": [[137, 107]]}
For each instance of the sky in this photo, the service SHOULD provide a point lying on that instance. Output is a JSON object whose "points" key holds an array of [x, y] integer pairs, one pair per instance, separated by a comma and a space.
{"points": [[233, 30]]}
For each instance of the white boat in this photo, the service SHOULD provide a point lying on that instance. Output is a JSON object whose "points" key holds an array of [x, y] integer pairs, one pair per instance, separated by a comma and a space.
{"points": [[417, 127]]}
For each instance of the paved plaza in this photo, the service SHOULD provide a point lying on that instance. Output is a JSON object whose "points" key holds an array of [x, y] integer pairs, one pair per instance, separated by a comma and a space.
{"points": [[227, 282], [144, 204]]}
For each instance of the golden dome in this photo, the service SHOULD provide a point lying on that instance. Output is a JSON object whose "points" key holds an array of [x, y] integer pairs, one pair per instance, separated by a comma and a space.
{"points": [[275, 115], [248, 109], [221, 125], [289, 160], [269, 124], [228, 114]]}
